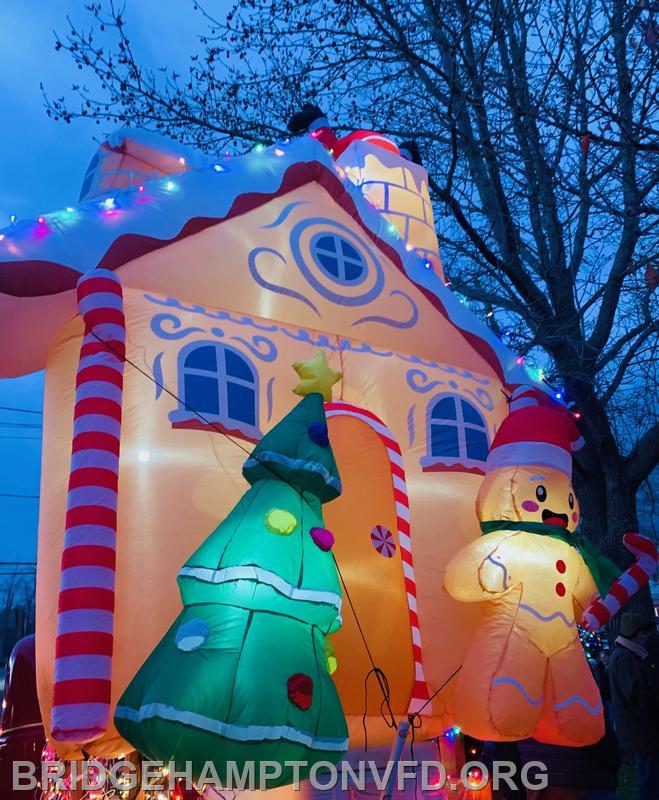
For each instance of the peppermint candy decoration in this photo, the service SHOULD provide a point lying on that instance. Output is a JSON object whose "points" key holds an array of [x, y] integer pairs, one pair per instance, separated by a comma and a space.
{"points": [[383, 541]]}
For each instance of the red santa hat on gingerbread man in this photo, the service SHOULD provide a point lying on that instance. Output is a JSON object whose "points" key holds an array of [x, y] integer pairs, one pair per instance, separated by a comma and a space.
{"points": [[538, 432]]}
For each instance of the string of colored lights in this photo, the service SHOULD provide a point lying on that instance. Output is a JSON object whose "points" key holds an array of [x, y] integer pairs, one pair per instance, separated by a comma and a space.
{"points": [[114, 203]]}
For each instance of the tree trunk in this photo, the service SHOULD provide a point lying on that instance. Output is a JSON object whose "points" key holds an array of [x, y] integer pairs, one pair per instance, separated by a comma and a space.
{"points": [[608, 508]]}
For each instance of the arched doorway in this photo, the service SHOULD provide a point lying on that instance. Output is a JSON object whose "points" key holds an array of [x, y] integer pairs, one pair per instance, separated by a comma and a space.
{"points": [[370, 521]]}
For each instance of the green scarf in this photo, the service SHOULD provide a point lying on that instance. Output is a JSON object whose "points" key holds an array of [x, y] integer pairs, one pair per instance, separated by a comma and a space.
{"points": [[603, 570]]}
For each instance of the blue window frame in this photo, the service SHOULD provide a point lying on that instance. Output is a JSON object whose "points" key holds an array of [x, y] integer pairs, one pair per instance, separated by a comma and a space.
{"points": [[338, 258], [457, 434], [221, 384], [89, 175]]}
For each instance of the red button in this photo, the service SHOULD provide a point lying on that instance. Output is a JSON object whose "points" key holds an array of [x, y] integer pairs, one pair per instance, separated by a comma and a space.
{"points": [[560, 566], [560, 589]]}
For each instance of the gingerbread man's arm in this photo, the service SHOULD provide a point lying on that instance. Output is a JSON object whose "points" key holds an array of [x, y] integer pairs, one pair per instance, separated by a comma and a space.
{"points": [[584, 592], [480, 571]]}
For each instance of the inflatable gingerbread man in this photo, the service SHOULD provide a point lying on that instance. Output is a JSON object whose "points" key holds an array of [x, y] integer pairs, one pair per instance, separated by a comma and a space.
{"points": [[525, 673]]}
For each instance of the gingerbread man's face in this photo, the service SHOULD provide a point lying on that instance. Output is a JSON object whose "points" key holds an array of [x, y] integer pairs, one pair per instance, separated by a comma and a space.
{"points": [[529, 494]]}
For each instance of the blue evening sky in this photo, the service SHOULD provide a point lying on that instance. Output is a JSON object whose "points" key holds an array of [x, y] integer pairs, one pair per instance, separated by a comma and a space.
{"points": [[41, 168]]}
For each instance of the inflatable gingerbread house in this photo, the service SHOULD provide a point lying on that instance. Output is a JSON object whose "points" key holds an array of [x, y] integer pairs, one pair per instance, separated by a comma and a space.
{"points": [[216, 275]]}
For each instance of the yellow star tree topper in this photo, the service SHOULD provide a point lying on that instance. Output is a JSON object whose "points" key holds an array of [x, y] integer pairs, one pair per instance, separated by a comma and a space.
{"points": [[316, 375]]}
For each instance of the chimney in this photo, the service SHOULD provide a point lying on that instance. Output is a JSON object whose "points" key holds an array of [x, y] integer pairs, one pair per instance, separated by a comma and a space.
{"points": [[398, 188]]}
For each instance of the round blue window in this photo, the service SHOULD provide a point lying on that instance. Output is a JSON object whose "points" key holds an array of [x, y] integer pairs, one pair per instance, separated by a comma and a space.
{"points": [[338, 258]]}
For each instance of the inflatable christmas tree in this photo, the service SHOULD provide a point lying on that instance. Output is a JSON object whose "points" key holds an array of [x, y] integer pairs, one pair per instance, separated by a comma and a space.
{"points": [[242, 675]]}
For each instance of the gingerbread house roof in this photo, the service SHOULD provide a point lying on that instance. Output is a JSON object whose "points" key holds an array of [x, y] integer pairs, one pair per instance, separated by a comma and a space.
{"points": [[41, 260]]}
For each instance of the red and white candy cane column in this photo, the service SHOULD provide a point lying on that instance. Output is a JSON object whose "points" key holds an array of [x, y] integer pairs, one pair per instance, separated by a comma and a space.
{"points": [[633, 579], [83, 648], [420, 694]]}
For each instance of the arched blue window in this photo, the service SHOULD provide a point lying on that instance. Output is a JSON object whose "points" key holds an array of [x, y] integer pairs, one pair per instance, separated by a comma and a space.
{"points": [[221, 384], [457, 434], [338, 258]]}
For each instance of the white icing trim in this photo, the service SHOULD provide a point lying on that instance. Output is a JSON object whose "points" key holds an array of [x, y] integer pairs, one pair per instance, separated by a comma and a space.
{"points": [[240, 733], [258, 575], [263, 456]]}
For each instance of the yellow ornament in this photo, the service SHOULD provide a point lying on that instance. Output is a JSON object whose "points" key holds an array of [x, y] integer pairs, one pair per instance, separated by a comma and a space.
{"points": [[331, 661], [280, 521], [316, 376]]}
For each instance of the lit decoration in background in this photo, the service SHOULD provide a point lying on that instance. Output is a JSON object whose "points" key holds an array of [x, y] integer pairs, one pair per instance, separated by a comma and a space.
{"points": [[474, 776], [593, 642], [95, 783], [98, 775], [203, 694], [452, 732], [535, 572], [70, 786]]}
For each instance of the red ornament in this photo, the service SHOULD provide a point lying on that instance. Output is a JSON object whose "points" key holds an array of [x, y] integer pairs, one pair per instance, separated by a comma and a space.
{"points": [[300, 690]]}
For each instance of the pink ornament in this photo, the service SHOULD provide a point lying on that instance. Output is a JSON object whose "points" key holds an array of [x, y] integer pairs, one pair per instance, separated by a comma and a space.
{"points": [[322, 538]]}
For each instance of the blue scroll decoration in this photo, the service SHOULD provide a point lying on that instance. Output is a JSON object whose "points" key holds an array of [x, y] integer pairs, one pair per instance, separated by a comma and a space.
{"points": [[463, 373], [410, 426], [418, 381], [259, 342], [268, 397], [394, 323], [272, 287], [159, 320], [283, 214], [482, 397], [220, 314], [156, 371], [301, 335]]}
